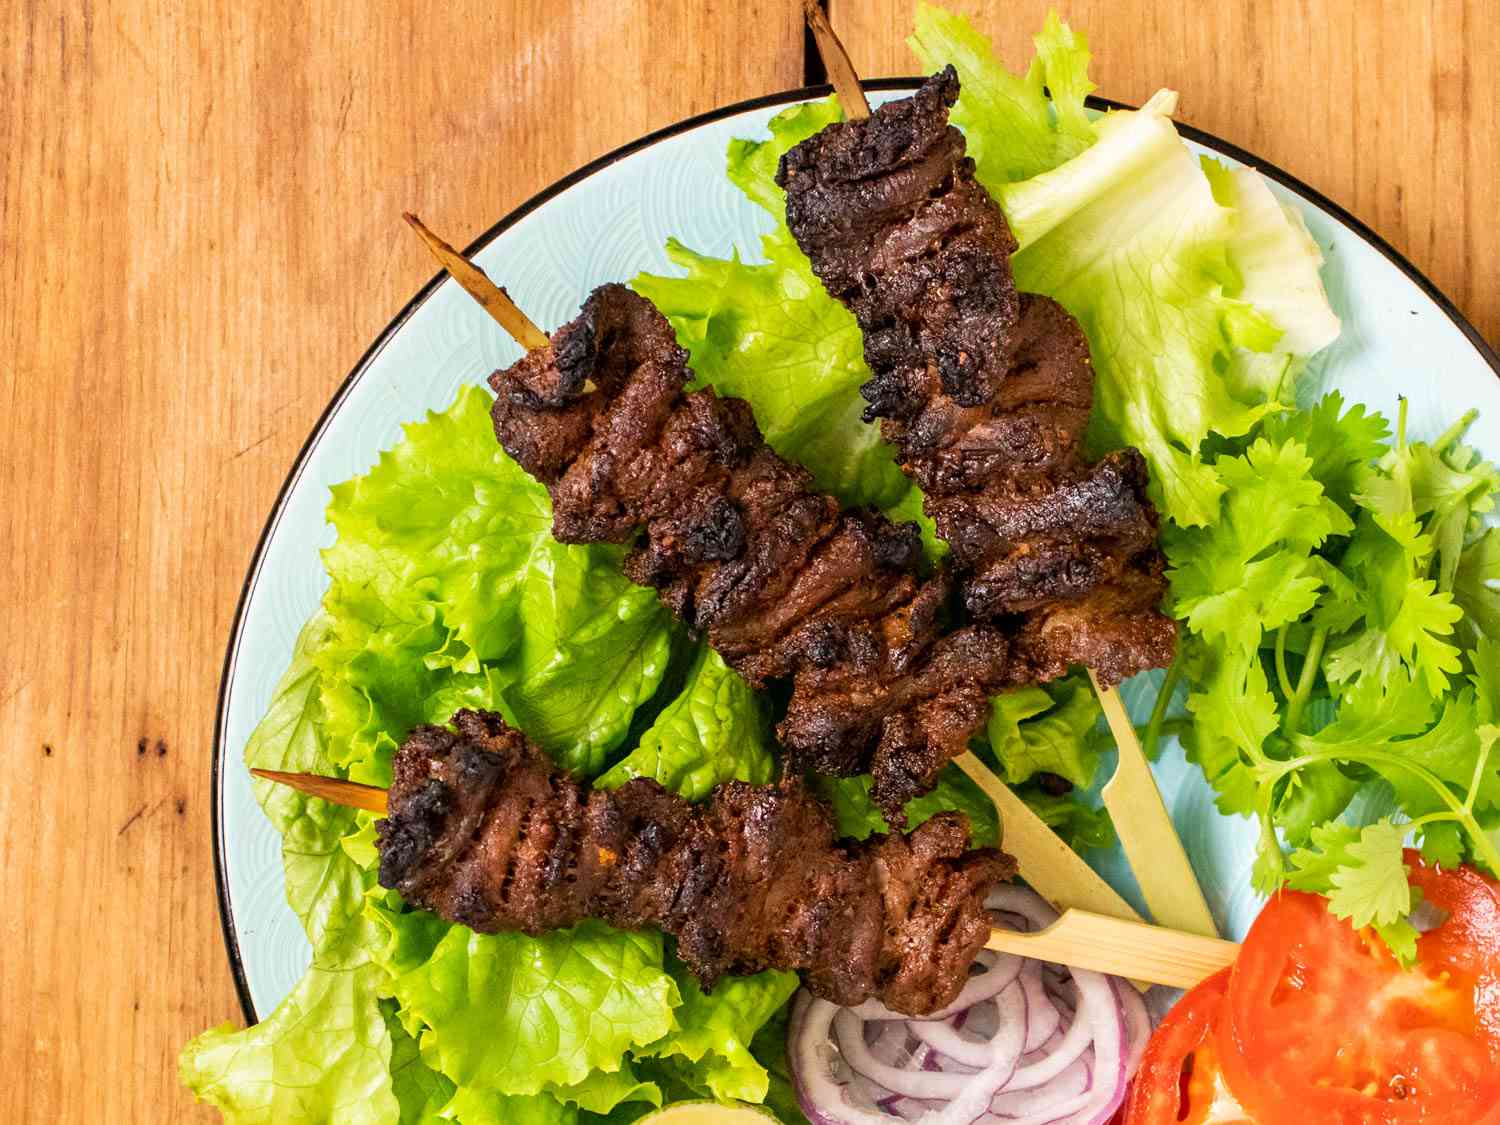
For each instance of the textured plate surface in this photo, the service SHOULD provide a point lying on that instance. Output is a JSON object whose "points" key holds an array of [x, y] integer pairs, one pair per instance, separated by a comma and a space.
{"points": [[607, 223]]}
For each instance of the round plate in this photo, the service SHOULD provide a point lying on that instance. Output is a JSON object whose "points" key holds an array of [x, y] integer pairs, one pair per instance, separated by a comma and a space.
{"points": [[609, 221]]}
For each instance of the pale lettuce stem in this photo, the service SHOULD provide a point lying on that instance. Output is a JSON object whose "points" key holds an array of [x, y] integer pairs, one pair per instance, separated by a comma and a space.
{"points": [[1297, 699]]}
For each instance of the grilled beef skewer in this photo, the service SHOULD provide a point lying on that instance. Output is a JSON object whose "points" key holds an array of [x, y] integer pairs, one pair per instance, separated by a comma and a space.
{"points": [[785, 585], [985, 392], [484, 830]]}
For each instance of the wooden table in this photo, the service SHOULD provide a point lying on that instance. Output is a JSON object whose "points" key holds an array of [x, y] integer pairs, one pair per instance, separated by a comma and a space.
{"points": [[199, 219]]}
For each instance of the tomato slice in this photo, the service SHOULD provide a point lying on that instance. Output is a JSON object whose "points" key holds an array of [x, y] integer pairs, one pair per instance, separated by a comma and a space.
{"points": [[1179, 1081], [1467, 945], [1321, 1024]]}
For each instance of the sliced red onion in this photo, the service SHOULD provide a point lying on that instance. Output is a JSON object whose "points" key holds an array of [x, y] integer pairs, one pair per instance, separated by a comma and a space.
{"points": [[824, 1094], [997, 971], [1137, 1021], [1071, 1082], [1043, 1016], [948, 1040], [1024, 1044]]}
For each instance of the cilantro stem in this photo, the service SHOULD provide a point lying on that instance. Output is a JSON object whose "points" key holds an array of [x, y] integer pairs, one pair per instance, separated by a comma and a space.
{"points": [[1451, 435], [1430, 818], [1163, 701], [1297, 699], [1484, 847], [1281, 677]]}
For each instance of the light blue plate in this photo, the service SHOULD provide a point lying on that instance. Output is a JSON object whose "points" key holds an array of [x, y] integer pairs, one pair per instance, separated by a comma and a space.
{"points": [[608, 222]]}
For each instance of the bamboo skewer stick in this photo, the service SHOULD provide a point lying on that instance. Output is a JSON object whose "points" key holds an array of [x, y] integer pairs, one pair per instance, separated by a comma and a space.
{"points": [[477, 284], [1080, 938], [1147, 835], [1054, 870], [841, 70], [335, 790]]}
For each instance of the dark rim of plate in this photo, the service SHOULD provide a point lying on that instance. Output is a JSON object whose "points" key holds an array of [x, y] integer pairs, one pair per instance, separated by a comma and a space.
{"points": [[1207, 140]]}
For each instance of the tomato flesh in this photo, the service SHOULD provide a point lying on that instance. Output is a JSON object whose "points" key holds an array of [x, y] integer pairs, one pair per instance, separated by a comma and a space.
{"points": [[1318, 1024], [1321, 1023], [1179, 1081]]}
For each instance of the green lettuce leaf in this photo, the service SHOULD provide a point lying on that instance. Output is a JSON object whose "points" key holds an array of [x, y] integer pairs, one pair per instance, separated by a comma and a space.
{"points": [[715, 730], [859, 819], [1276, 264], [515, 1015], [449, 590], [421, 1092], [1176, 289], [769, 333], [324, 1054], [715, 1031], [1015, 130], [1033, 731], [1129, 238]]}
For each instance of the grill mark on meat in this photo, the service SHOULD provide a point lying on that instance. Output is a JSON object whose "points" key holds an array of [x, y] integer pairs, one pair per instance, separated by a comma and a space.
{"points": [[985, 392], [739, 544], [481, 821]]}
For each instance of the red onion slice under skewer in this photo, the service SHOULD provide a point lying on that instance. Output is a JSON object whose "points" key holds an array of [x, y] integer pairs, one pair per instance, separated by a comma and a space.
{"points": [[1024, 1044]]}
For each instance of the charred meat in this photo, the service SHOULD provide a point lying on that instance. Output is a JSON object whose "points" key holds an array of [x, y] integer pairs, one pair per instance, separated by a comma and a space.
{"points": [[985, 391], [485, 831], [740, 545]]}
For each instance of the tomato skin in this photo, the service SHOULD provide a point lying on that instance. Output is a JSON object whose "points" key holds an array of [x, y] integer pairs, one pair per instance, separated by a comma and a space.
{"points": [[1321, 1024], [1159, 1094], [1318, 1024], [1468, 943]]}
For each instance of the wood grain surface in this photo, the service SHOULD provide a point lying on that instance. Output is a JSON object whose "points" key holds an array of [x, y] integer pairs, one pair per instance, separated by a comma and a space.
{"points": [[1390, 109], [199, 234]]}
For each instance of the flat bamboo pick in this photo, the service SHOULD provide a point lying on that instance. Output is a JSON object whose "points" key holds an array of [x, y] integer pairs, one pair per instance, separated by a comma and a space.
{"points": [[1054, 870], [840, 69], [1130, 949], [1080, 938], [1150, 841], [333, 789]]}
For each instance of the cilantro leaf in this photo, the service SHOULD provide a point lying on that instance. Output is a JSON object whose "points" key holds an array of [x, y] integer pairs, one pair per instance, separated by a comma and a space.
{"points": [[1476, 585], [1362, 873], [1250, 572], [1234, 713], [1342, 443]]}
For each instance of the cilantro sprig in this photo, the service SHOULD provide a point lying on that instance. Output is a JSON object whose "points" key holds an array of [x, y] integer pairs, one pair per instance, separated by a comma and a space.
{"points": [[1340, 637]]}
